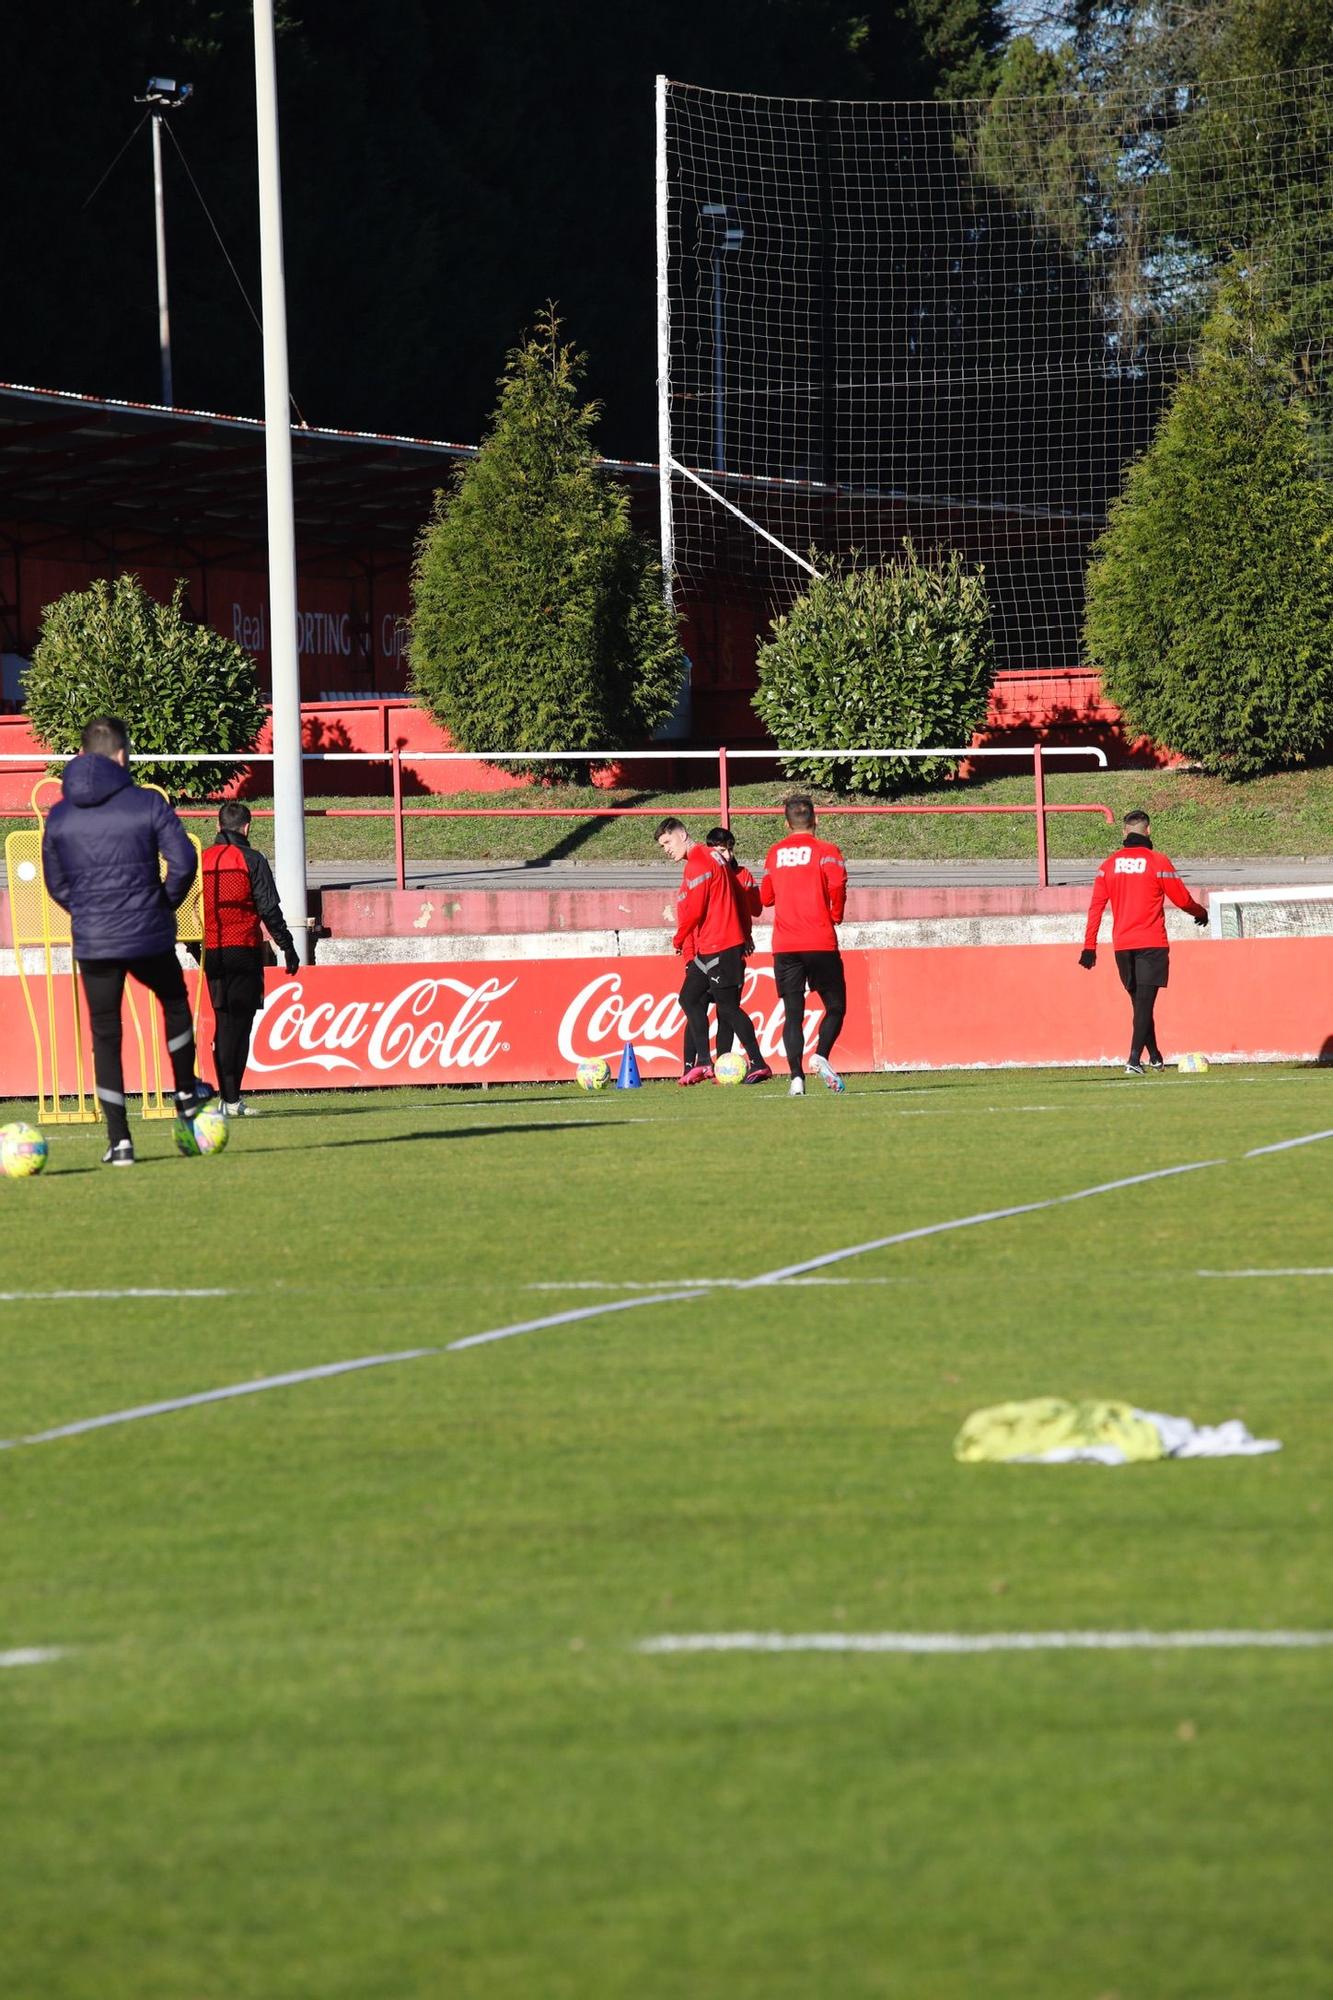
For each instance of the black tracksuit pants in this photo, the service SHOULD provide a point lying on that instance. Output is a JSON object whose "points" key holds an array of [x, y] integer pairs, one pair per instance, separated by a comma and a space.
{"points": [[236, 987], [104, 988], [822, 972], [718, 979]]}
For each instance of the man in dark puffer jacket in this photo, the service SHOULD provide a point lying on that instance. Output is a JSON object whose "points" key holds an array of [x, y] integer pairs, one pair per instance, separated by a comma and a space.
{"points": [[100, 859]]}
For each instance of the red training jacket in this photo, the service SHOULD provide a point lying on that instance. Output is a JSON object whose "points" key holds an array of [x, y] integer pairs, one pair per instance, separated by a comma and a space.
{"points": [[748, 902], [708, 916], [805, 882], [230, 916], [1136, 880]]}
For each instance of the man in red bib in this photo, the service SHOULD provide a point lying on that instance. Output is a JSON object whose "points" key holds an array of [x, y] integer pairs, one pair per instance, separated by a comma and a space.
{"points": [[805, 886], [1136, 881], [239, 895]]}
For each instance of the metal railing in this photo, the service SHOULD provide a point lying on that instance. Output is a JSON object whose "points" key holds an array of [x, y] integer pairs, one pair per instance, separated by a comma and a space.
{"points": [[722, 759]]}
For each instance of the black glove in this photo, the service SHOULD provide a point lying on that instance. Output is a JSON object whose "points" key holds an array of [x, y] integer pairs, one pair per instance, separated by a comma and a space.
{"points": [[1087, 958], [291, 961], [1202, 921], [747, 949]]}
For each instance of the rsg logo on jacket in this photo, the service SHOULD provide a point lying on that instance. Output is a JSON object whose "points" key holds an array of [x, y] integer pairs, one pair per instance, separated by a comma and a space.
{"points": [[813, 895]]}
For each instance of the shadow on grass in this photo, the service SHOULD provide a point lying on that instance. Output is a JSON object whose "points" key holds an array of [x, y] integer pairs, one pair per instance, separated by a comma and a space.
{"points": [[416, 1138], [585, 830], [474, 1100]]}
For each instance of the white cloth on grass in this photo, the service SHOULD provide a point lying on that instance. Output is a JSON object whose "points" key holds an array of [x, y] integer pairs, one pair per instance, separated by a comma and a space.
{"points": [[1180, 1439]]}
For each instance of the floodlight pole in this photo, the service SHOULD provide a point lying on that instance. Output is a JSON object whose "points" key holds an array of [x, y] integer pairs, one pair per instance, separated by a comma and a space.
{"points": [[162, 95], [163, 311], [288, 789]]}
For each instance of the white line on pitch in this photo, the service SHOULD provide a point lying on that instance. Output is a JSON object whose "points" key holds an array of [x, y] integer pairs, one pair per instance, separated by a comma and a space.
{"points": [[969, 1642], [1275, 1271], [1285, 1145], [31, 1656], [970, 1221], [126, 1292], [734, 1284]]}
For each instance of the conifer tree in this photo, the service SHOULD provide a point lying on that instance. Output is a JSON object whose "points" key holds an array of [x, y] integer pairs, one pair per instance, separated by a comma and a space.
{"points": [[538, 621], [1210, 596]]}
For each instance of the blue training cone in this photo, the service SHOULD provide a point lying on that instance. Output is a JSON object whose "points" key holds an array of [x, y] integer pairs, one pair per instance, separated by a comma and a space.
{"points": [[629, 1078]]}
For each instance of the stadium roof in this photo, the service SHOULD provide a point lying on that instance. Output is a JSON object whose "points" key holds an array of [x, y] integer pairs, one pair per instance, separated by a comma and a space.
{"points": [[98, 465]]}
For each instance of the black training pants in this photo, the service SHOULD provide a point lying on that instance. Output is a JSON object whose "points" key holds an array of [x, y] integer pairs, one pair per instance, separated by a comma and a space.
{"points": [[236, 988], [717, 979], [822, 972], [104, 988], [694, 996], [1143, 974]]}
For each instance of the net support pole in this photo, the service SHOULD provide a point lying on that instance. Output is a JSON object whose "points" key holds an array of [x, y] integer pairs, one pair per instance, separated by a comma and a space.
{"points": [[664, 354], [678, 723], [288, 789]]}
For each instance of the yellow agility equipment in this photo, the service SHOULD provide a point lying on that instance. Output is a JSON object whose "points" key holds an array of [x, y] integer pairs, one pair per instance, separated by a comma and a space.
{"points": [[41, 931]]}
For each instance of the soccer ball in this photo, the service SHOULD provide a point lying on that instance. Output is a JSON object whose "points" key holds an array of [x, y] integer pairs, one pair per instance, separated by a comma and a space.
{"points": [[207, 1133], [731, 1067], [1192, 1065], [22, 1151], [594, 1074]]}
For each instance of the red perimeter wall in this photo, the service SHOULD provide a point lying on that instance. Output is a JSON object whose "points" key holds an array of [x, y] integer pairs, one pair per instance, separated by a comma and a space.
{"points": [[529, 1020]]}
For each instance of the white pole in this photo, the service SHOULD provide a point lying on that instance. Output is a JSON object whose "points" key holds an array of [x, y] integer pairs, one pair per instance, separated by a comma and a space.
{"points": [[160, 213], [678, 723], [288, 795], [664, 351]]}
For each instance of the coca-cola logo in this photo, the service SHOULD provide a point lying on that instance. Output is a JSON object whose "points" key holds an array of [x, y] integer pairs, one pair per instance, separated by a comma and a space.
{"points": [[443, 1024], [601, 1016]]}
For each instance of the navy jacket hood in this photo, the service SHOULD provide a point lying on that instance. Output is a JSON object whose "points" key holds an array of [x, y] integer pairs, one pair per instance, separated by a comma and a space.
{"points": [[91, 779]]}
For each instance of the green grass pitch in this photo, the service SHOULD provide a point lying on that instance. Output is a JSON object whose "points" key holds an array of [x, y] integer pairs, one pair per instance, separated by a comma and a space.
{"points": [[350, 1706]]}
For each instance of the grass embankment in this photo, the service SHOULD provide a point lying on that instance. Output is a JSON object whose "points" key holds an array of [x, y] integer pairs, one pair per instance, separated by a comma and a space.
{"points": [[351, 1704], [1290, 814]]}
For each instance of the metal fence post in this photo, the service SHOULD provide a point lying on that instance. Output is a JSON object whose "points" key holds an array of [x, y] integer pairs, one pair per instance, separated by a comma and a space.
{"points": [[723, 788], [400, 873], [1039, 782]]}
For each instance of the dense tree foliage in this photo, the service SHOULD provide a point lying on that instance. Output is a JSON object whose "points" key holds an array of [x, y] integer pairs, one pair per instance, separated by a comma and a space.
{"points": [[538, 619], [1210, 599], [178, 686], [439, 174], [892, 654]]}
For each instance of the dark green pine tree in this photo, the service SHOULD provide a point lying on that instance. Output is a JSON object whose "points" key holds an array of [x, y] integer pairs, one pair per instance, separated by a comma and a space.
{"points": [[538, 621], [1210, 596]]}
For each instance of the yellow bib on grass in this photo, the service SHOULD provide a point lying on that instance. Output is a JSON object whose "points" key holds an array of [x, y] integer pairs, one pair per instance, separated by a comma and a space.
{"points": [[1048, 1423]]}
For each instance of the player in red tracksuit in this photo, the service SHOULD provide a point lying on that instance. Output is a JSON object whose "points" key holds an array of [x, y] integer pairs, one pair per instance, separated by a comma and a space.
{"points": [[748, 906], [1136, 880], [805, 884], [239, 895], [710, 934]]}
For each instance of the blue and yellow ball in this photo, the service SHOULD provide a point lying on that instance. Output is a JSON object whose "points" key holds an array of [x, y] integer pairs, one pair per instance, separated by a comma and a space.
{"points": [[594, 1073]]}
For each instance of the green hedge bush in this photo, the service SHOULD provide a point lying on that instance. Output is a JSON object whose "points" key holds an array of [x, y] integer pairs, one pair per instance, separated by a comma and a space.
{"points": [[538, 620], [1210, 596], [178, 686], [898, 654]]}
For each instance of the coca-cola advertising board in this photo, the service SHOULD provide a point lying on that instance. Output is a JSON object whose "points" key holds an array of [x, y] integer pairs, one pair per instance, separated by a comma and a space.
{"points": [[510, 1021], [532, 1020], [519, 1020]]}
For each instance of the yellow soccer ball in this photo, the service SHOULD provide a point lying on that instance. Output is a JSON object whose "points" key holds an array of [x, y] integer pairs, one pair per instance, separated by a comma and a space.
{"points": [[731, 1067], [22, 1151], [205, 1133], [1193, 1065], [594, 1074]]}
